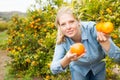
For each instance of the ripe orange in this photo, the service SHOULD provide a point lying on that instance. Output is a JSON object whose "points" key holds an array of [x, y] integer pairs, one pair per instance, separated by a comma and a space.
{"points": [[99, 26], [105, 27], [77, 48]]}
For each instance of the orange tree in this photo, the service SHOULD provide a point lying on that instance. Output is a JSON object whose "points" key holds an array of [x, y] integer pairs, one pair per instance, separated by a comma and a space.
{"points": [[101, 11], [32, 38], [31, 41]]}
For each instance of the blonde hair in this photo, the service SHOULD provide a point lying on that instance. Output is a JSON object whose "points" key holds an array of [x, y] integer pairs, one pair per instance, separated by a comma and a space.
{"points": [[63, 10]]}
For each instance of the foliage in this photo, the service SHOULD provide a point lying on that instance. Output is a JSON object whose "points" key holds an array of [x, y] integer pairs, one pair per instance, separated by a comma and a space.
{"points": [[101, 11], [32, 38], [3, 25], [31, 42], [3, 40]]}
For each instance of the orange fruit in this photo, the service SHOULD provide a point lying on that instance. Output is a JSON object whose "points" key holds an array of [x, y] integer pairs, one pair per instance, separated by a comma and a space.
{"points": [[99, 26], [105, 27], [77, 48]]}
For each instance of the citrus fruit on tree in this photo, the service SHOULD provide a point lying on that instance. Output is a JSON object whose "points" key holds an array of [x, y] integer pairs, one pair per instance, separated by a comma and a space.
{"points": [[105, 27], [77, 48]]}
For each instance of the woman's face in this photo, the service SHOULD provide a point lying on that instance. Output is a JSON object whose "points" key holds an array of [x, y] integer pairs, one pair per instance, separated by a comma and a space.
{"points": [[69, 26]]}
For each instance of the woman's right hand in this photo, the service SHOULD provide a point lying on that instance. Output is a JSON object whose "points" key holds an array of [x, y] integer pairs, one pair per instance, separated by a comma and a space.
{"points": [[68, 58], [73, 56]]}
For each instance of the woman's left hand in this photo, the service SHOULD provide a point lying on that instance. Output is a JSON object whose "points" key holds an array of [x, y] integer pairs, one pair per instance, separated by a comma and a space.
{"points": [[104, 41], [102, 37]]}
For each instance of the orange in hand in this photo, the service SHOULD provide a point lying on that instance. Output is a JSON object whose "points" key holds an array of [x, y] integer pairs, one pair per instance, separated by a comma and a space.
{"points": [[105, 27], [77, 48], [99, 26]]}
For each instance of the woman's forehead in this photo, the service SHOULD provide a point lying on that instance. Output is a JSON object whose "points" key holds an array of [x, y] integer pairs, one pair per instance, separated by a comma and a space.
{"points": [[66, 17]]}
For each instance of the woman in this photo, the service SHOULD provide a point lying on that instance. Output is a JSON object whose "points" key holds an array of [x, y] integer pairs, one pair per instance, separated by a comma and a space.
{"points": [[89, 66]]}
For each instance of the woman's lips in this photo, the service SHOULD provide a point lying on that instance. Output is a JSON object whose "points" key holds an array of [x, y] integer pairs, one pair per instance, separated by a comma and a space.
{"points": [[69, 32]]}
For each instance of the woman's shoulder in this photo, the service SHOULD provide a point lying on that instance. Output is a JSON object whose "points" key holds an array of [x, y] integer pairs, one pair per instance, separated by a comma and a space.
{"points": [[66, 44], [88, 24]]}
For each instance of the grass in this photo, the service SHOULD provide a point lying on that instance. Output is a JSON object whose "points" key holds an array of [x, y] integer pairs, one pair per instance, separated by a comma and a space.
{"points": [[3, 39]]}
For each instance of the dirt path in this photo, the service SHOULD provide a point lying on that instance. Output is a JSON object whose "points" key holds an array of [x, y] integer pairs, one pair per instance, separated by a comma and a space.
{"points": [[3, 59]]}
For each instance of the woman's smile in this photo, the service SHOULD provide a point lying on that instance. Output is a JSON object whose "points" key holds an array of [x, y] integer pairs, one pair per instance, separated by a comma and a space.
{"points": [[70, 32]]}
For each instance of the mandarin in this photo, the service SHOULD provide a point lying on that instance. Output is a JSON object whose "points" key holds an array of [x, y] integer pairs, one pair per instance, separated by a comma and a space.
{"points": [[105, 27], [77, 48], [98, 26]]}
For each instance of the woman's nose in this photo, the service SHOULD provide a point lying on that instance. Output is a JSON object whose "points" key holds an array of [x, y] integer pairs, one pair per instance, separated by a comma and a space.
{"points": [[68, 26]]}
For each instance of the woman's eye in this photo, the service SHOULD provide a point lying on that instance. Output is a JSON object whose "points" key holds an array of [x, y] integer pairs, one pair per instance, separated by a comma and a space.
{"points": [[62, 25], [72, 21]]}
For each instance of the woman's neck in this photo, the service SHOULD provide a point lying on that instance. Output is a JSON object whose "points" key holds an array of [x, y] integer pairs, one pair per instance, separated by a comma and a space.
{"points": [[77, 38]]}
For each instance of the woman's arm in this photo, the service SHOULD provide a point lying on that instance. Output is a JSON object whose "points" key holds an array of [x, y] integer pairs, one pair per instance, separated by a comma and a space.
{"points": [[68, 58], [61, 59], [104, 40], [109, 46]]}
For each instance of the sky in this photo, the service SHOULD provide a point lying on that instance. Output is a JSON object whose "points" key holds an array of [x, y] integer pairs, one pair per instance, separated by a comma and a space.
{"points": [[15, 5]]}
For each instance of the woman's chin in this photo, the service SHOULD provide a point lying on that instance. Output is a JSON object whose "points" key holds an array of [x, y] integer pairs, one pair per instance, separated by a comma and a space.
{"points": [[70, 36]]}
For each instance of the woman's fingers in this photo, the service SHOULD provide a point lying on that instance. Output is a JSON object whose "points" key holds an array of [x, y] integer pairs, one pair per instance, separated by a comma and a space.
{"points": [[101, 37], [71, 55], [74, 56], [81, 55]]}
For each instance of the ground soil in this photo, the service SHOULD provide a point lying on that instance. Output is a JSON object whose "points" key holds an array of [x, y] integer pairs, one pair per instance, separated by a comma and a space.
{"points": [[3, 61]]}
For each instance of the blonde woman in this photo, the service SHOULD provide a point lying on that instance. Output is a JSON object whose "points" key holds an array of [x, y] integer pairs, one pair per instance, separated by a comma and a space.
{"points": [[89, 66]]}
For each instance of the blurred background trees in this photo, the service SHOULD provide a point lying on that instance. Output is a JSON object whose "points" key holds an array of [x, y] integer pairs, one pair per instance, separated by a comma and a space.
{"points": [[32, 38]]}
